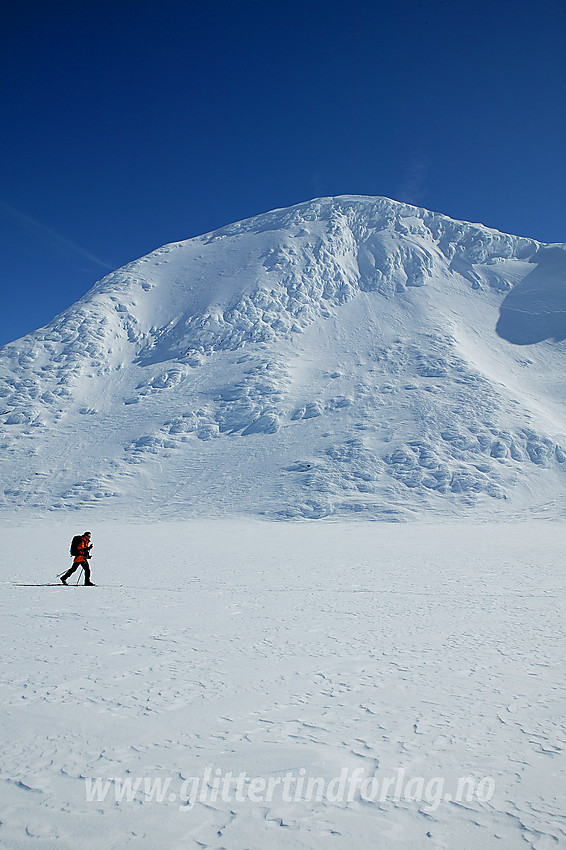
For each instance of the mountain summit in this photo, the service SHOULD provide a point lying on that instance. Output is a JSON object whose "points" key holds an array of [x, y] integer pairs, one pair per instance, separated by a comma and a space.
{"points": [[348, 356]]}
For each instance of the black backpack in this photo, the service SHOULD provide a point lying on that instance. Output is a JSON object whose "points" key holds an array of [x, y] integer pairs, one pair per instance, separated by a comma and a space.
{"points": [[75, 543]]}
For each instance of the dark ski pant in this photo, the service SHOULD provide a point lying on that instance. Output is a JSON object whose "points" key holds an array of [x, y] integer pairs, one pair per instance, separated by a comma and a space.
{"points": [[84, 565]]}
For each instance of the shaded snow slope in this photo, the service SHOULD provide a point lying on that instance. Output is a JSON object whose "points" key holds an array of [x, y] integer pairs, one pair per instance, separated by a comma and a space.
{"points": [[345, 356]]}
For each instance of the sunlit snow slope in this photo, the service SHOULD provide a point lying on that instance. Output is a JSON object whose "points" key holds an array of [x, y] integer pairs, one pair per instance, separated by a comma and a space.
{"points": [[349, 356]]}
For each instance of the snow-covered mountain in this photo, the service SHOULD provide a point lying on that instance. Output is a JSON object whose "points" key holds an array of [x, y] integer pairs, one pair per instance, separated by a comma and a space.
{"points": [[348, 356]]}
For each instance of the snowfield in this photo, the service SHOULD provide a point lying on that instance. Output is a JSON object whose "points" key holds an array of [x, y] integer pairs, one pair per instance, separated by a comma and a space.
{"points": [[347, 357], [322, 453], [244, 684]]}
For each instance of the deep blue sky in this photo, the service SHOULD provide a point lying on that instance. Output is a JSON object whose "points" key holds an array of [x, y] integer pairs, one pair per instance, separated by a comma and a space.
{"points": [[127, 125]]}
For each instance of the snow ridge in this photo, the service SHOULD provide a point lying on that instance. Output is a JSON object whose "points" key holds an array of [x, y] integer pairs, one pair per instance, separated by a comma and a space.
{"points": [[379, 360]]}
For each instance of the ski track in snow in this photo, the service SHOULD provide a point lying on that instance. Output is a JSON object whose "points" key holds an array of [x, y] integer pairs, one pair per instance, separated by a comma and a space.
{"points": [[277, 647]]}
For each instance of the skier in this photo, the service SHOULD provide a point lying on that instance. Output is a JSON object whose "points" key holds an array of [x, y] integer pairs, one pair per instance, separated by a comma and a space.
{"points": [[81, 560]]}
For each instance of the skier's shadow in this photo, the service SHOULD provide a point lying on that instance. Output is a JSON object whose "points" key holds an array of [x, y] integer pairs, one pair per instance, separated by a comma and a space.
{"points": [[54, 584]]}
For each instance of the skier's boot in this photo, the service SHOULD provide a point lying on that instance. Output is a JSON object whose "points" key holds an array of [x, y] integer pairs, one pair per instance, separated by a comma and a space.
{"points": [[63, 580]]}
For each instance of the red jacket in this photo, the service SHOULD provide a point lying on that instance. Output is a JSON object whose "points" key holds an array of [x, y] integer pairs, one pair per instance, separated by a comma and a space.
{"points": [[83, 550]]}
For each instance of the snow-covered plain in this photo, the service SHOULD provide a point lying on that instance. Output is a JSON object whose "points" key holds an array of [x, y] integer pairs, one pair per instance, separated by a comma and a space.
{"points": [[265, 662], [415, 654]]}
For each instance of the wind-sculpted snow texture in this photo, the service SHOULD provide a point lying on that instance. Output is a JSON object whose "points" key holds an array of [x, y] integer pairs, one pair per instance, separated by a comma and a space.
{"points": [[428, 651], [347, 356]]}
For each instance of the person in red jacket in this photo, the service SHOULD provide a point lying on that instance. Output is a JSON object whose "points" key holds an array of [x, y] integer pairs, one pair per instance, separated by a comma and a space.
{"points": [[81, 560]]}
